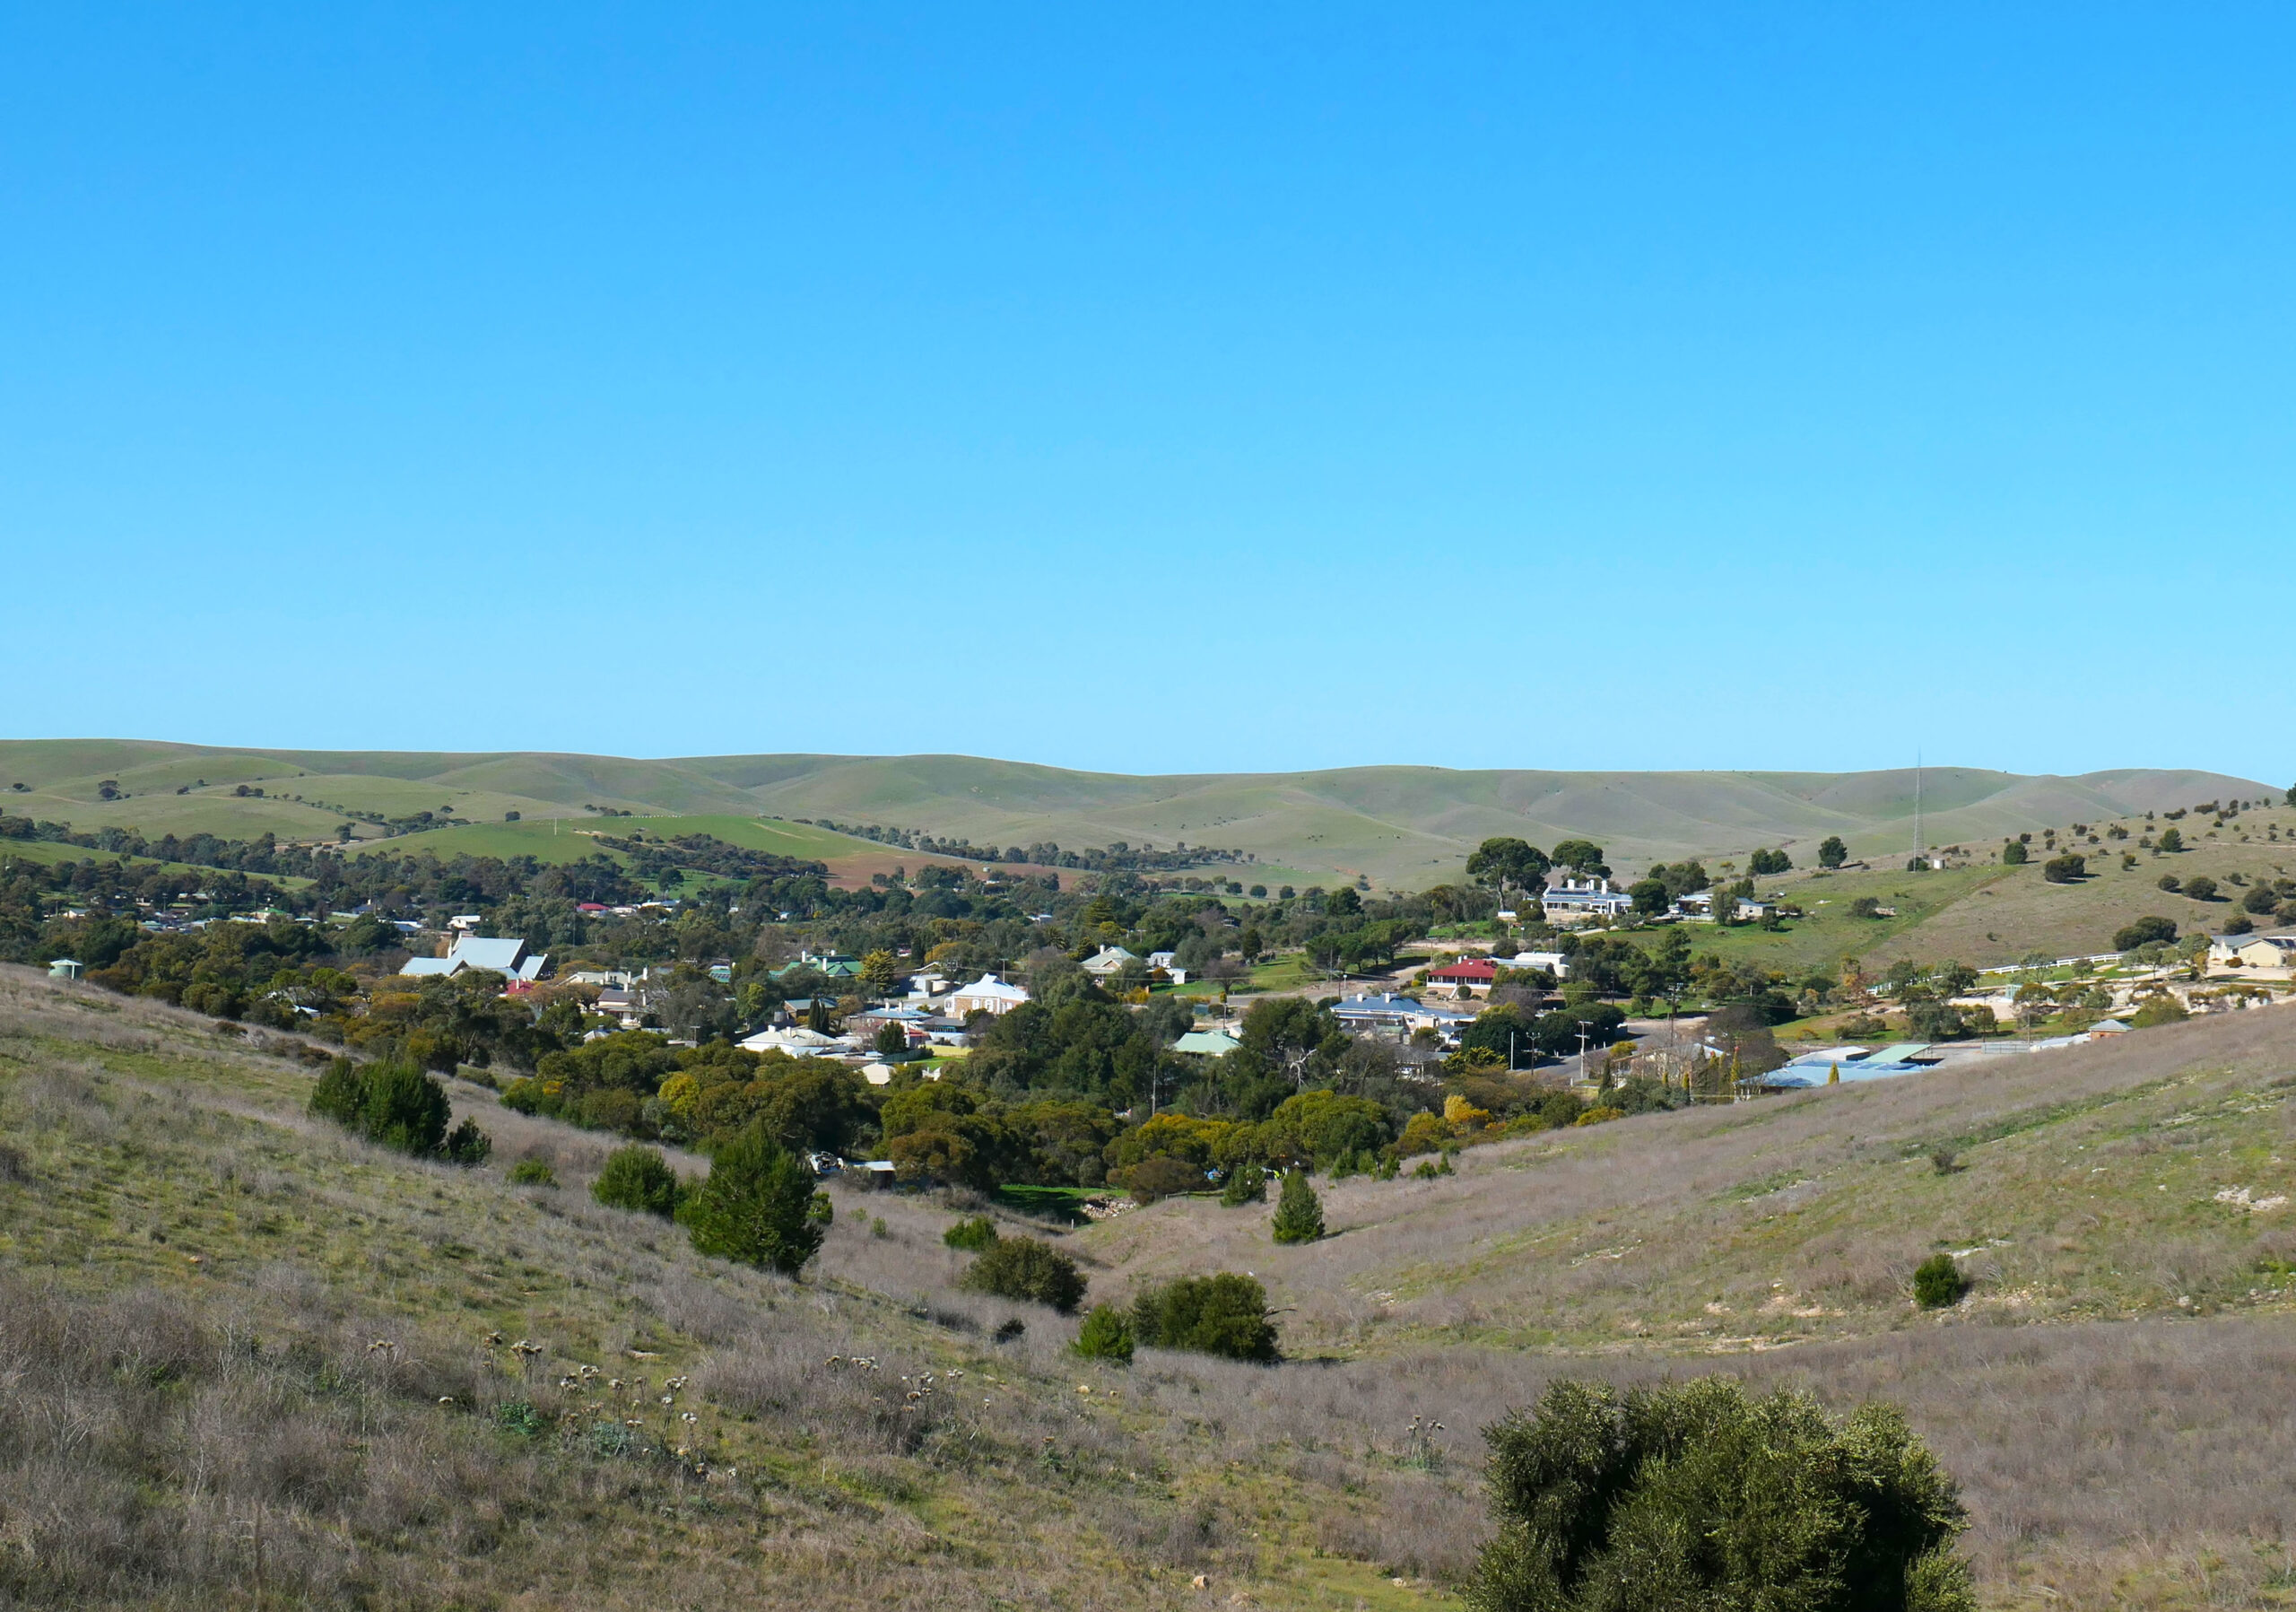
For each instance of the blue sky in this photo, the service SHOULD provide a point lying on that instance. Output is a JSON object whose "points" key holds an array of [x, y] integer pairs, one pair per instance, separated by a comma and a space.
{"points": [[1165, 389]]}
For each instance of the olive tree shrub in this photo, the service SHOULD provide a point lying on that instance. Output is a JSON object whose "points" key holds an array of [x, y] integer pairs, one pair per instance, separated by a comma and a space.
{"points": [[1023, 1269], [398, 1106], [1691, 1494]]}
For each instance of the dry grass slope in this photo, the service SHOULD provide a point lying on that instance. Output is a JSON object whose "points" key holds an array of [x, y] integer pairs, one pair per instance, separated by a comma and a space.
{"points": [[196, 1277]]}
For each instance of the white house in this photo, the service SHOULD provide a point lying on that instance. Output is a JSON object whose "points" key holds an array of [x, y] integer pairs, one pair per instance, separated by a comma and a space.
{"points": [[1104, 964], [509, 958], [798, 1042], [1699, 903], [2253, 951], [1586, 898], [987, 994]]}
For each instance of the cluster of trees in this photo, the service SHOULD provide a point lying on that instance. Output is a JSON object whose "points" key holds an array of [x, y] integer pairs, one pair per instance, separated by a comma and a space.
{"points": [[760, 1203], [1116, 857], [397, 1105]]}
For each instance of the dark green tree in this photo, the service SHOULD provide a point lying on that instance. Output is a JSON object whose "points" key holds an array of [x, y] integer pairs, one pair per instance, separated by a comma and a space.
{"points": [[1833, 853], [638, 1178], [1503, 861], [1106, 1335], [1224, 1314], [2013, 853], [1938, 1283], [1299, 1212], [972, 1235], [1025, 1270], [1583, 857], [2143, 931], [405, 1108], [1692, 1496], [759, 1207]]}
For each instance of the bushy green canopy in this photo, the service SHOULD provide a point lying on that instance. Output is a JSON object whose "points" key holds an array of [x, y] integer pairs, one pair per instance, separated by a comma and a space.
{"points": [[1693, 1497]]}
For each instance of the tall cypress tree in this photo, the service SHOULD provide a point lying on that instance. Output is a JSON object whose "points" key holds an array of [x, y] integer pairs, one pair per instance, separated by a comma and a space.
{"points": [[1298, 1213]]}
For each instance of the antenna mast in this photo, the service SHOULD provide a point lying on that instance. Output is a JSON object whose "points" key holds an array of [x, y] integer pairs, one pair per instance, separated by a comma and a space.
{"points": [[1920, 850]]}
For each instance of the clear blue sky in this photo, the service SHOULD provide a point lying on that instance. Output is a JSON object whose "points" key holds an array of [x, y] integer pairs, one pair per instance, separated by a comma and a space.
{"points": [[1210, 387]]}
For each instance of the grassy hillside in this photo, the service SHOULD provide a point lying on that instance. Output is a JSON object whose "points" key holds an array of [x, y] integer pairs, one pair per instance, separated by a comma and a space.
{"points": [[1405, 826], [1402, 827], [221, 1318]]}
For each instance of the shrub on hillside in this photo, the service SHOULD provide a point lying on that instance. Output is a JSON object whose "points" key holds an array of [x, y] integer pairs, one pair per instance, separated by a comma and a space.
{"points": [[1160, 1177], [533, 1172], [2013, 853], [2159, 1010], [639, 1179], [1025, 1270], [1299, 1212], [759, 1207], [2200, 887], [1693, 1495], [1224, 1314], [1938, 1281], [2065, 869], [971, 1235], [1245, 1184], [398, 1106], [1106, 1335], [2143, 931]]}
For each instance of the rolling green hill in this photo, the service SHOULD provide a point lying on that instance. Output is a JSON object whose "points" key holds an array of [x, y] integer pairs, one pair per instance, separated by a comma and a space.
{"points": [[1401, 827]]}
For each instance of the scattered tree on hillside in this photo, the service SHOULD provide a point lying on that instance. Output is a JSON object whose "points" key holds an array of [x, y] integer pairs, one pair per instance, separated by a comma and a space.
{"points": [[1692, 1494], [1025, 1270], [2142, 932], [1764, 862], [2172, 840], [1224, 1314], [639, 1179], [2200, 887], [1502, 862], [2013, 852], [759, 1207], [1833, 853], [1938, 1283], [1299, 1212], [397, 1105], [1583, 857], [2065, 869]]}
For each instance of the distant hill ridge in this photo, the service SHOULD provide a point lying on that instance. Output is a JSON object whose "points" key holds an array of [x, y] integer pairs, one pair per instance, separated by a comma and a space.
{"points": [[1401, 826]]}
